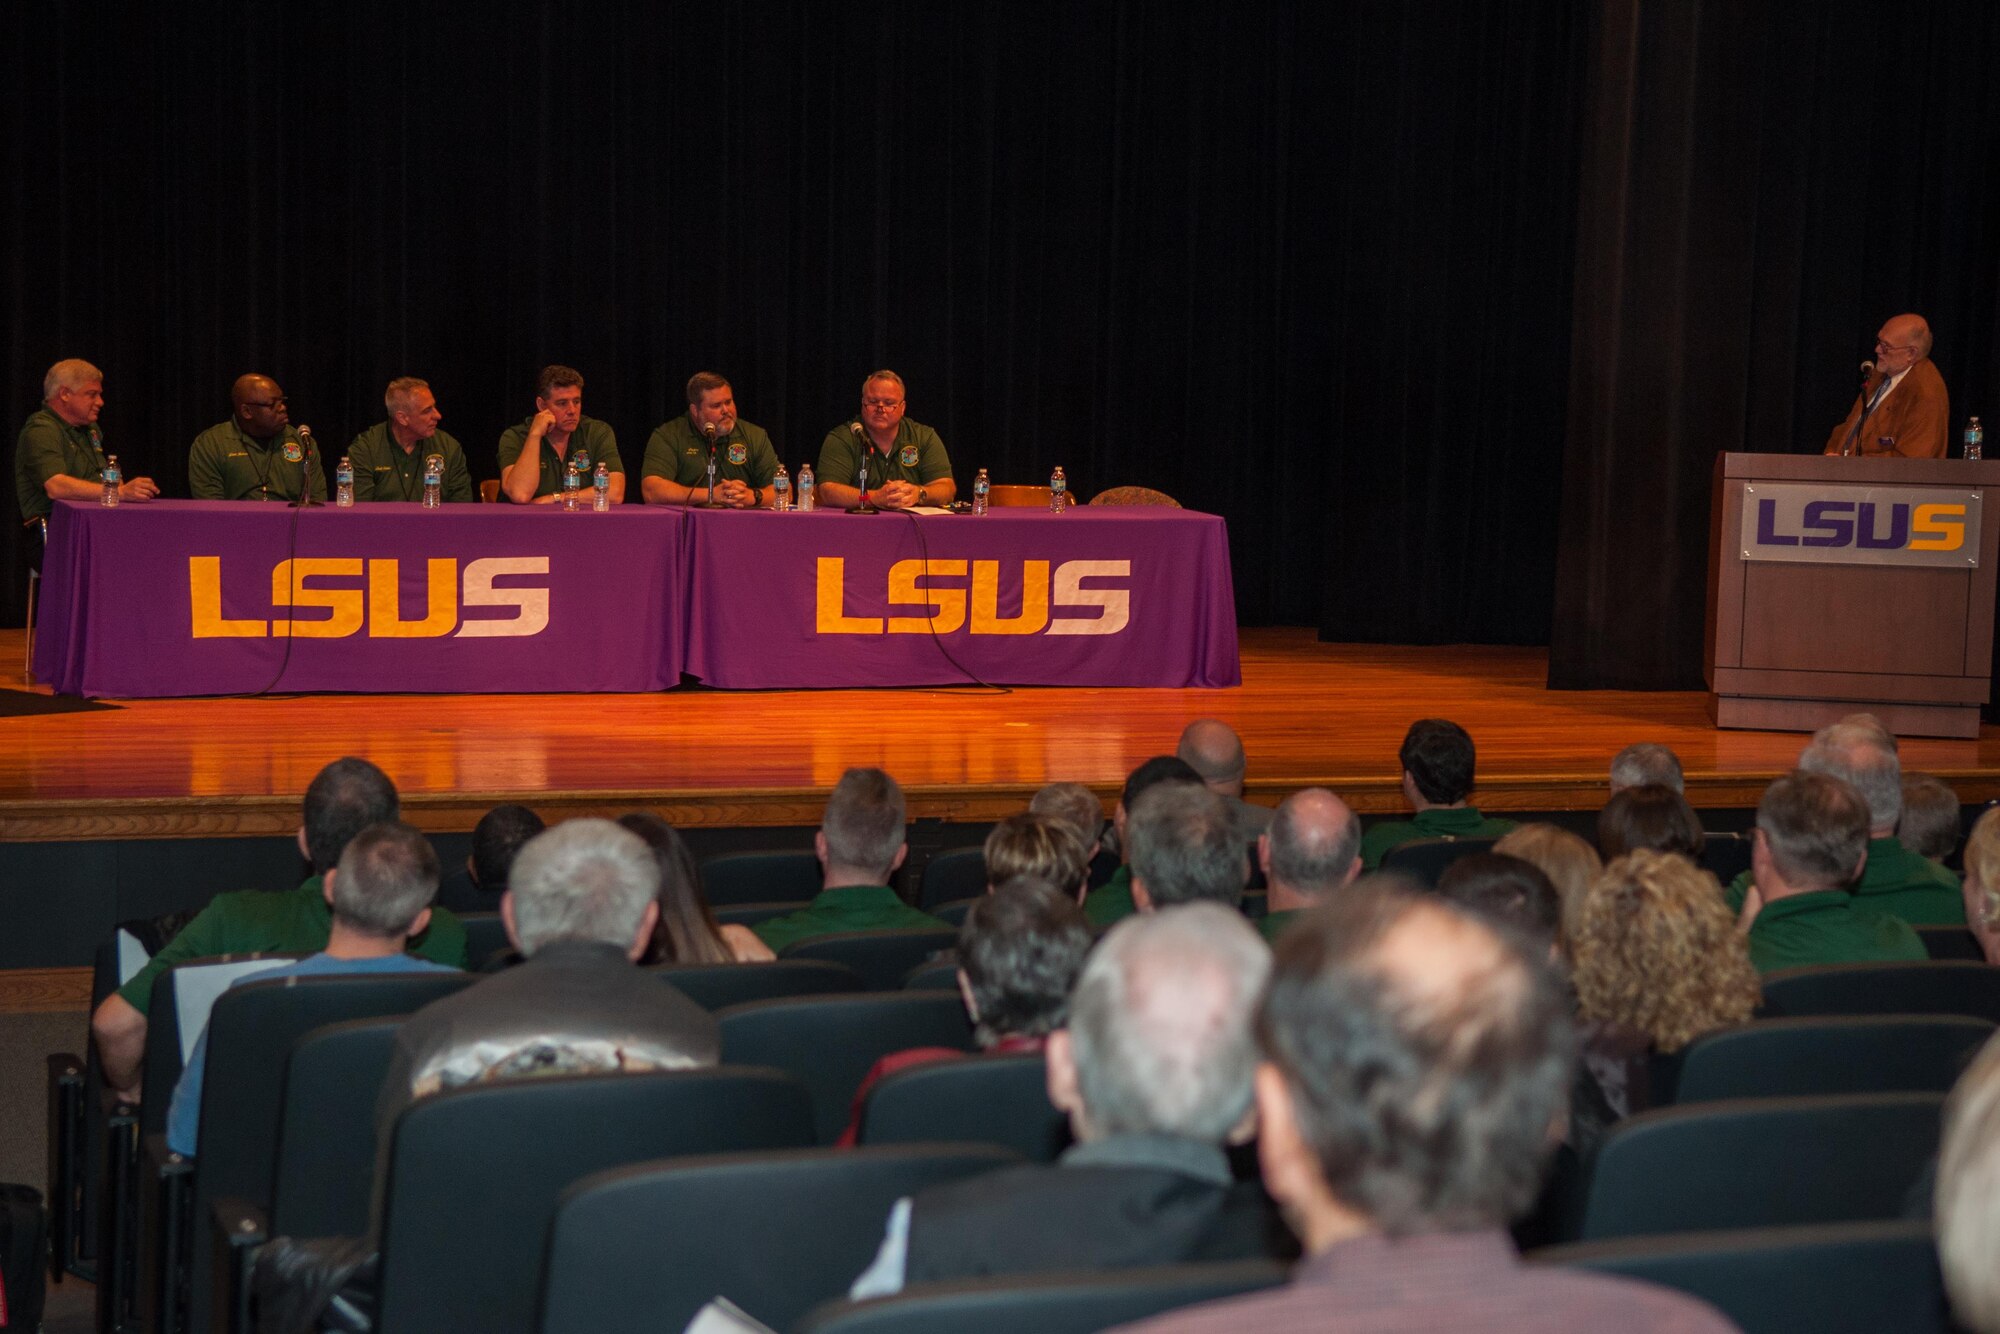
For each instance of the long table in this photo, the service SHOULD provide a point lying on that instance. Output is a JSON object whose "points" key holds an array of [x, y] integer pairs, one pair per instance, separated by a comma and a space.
{"points": [[207, 598]]}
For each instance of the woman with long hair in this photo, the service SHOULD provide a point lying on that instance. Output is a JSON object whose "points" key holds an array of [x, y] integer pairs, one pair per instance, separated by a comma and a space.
{"points": [[687, 930]]}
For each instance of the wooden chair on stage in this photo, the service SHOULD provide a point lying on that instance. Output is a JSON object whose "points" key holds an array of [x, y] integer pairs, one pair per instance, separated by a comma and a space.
{"points": [[489, 490], [1134, 495], [1019, 497]]}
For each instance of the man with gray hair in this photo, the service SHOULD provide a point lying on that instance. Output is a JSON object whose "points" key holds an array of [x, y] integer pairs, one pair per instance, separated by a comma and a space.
{"points": [[1312, 848], [59, 454], [391, 457], [860, 845], [1810, 845], [580, 907], [1213, 749], [1644, 764], [1184, 846], [1896, 881], [1154, 1072], [1076, 806], [1414, 1062], [380, 895]]}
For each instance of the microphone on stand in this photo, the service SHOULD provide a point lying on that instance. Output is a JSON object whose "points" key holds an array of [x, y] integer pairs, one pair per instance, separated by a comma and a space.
{"points": [[854, 429], [1867, 372], [305, 500], [708, 429]]}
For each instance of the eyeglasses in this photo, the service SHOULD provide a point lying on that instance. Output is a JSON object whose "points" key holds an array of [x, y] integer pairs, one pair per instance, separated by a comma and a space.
{"points": [[274, 403], [883, 403]]}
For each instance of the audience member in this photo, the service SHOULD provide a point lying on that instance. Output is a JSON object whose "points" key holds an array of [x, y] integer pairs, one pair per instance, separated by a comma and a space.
{"points": [[1112, 902], [1811, 844], [1311, 849], [1929, 823], [687, 931], [860, 844], [1981, 889], [1414, 1062], [1078, 807], [1019, 953], [1860, 753], [1567, 859], [1213, 750], [1656, 961], [343, 799], [496, 839], [1643, 763], [1438, 773], [380, 895], [1967, 1213], [1508, 891], [1650, 815], [1154, 1071], [1042, 846], [1184, 846]]}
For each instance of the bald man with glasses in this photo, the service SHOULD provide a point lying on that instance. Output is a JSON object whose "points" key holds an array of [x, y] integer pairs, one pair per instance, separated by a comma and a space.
{"points": [[1903, 410]]}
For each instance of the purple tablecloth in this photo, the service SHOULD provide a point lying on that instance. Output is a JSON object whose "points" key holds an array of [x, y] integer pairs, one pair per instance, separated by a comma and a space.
{"points": [[1095, 597], [190, 598]]}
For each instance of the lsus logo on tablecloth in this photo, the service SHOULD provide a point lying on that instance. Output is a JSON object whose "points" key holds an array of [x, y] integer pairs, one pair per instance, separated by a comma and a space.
{"points": [[913, 583], [377, 606]]}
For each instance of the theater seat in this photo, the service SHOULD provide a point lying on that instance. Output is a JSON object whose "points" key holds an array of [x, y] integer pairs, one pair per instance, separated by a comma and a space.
{"points": [[642, 1248], [883, 958], [1775, 1058], [771, 876], [1425, 859], [1935, 987], [959, 873], [713, 986], [1068, 1303], [982, 1099]]}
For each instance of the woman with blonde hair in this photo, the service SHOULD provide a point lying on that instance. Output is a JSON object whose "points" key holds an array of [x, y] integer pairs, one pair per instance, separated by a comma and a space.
{"points": [[1657, 962], [1566, 859], [1981, 885]]}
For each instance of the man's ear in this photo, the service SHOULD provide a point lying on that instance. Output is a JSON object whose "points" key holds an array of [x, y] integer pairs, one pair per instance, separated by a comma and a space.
{"points": [[965, 993], [819, 846], [305, 851], [902, 852], [1059, 1055], [1264, 854], [418, 925], [507, 920], [643, 941], [326, 885], [1141, 899], [1353, 871], [472, 874]]}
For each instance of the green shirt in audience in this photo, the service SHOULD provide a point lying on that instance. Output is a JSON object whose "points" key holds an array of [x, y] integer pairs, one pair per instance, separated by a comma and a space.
{"points": [[1111, 902], [1895, 881], [1437, 822], [848, 908], [1828, 926]]}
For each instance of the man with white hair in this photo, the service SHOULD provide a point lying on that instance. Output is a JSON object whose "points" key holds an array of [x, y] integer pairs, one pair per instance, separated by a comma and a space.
{"points": [[1646, 764], [580, 906], [1213, 749], [59, 454], [1903, 410], [1895, 881], [1154, 1072], [1184, 846]]}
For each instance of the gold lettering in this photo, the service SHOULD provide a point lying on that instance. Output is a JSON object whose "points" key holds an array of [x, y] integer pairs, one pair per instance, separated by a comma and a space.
{"points": [[288, 589], [831, 616], [949, 602], [1941, 534], [205, 597], [986, 619], [385, 605]]}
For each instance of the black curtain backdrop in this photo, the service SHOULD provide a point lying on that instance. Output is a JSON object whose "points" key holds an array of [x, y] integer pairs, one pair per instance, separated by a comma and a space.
{"points": [[1446, 306]]}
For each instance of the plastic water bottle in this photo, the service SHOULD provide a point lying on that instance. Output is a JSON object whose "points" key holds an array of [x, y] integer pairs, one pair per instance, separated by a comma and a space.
{"points": [[1975, 440], [572, 486], [807, 500], [781, 490], [1058, 491], [434, 481], [113, 479], [600, 489], [982, 487], [343, 484]]}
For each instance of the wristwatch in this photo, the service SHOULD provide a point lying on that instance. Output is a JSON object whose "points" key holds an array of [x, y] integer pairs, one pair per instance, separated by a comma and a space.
{"points": [[923, 496]]}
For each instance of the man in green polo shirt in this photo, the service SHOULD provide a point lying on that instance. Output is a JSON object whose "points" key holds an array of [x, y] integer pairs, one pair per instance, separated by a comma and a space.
{"points": [[906, 461], [860, 844], [1112, 901], [1438, 765], [1810, 845], [1895, 881], [676, 468], [388, 461], [1311, 849], [536, 454], [344, 798], [59, 454], [257, 454]]}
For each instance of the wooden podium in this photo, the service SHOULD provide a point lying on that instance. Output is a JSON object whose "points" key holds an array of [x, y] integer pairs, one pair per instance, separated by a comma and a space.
{"points": [[1842, 585]]}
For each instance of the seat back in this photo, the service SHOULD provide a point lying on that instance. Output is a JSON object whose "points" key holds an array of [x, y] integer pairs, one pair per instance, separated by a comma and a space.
{"points": [[1765, 1162], [183, 997], [939, 976], [1018, 497], [485, 936], [1935, 987], [325, 1162], [830, 1042], [982, 1099], [1840, 1278], [883, 958], [1067, 1303], [957, 874], [749, 914], [1776, 1058], [1134, 495], [954, 913], [474, 1175], [1426, 858], [643, 1248], [716, 985], [1951, 942], [774, 876], [1725, 856], [489, 491]]}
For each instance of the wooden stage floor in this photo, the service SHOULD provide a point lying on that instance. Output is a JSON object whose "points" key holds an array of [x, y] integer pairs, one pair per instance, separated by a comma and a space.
{"points": [[1309, 713]]}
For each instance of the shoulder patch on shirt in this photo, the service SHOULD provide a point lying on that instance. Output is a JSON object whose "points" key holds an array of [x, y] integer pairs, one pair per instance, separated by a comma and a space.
{"points": [[908, 456], [738, 452], [293, 453]]}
